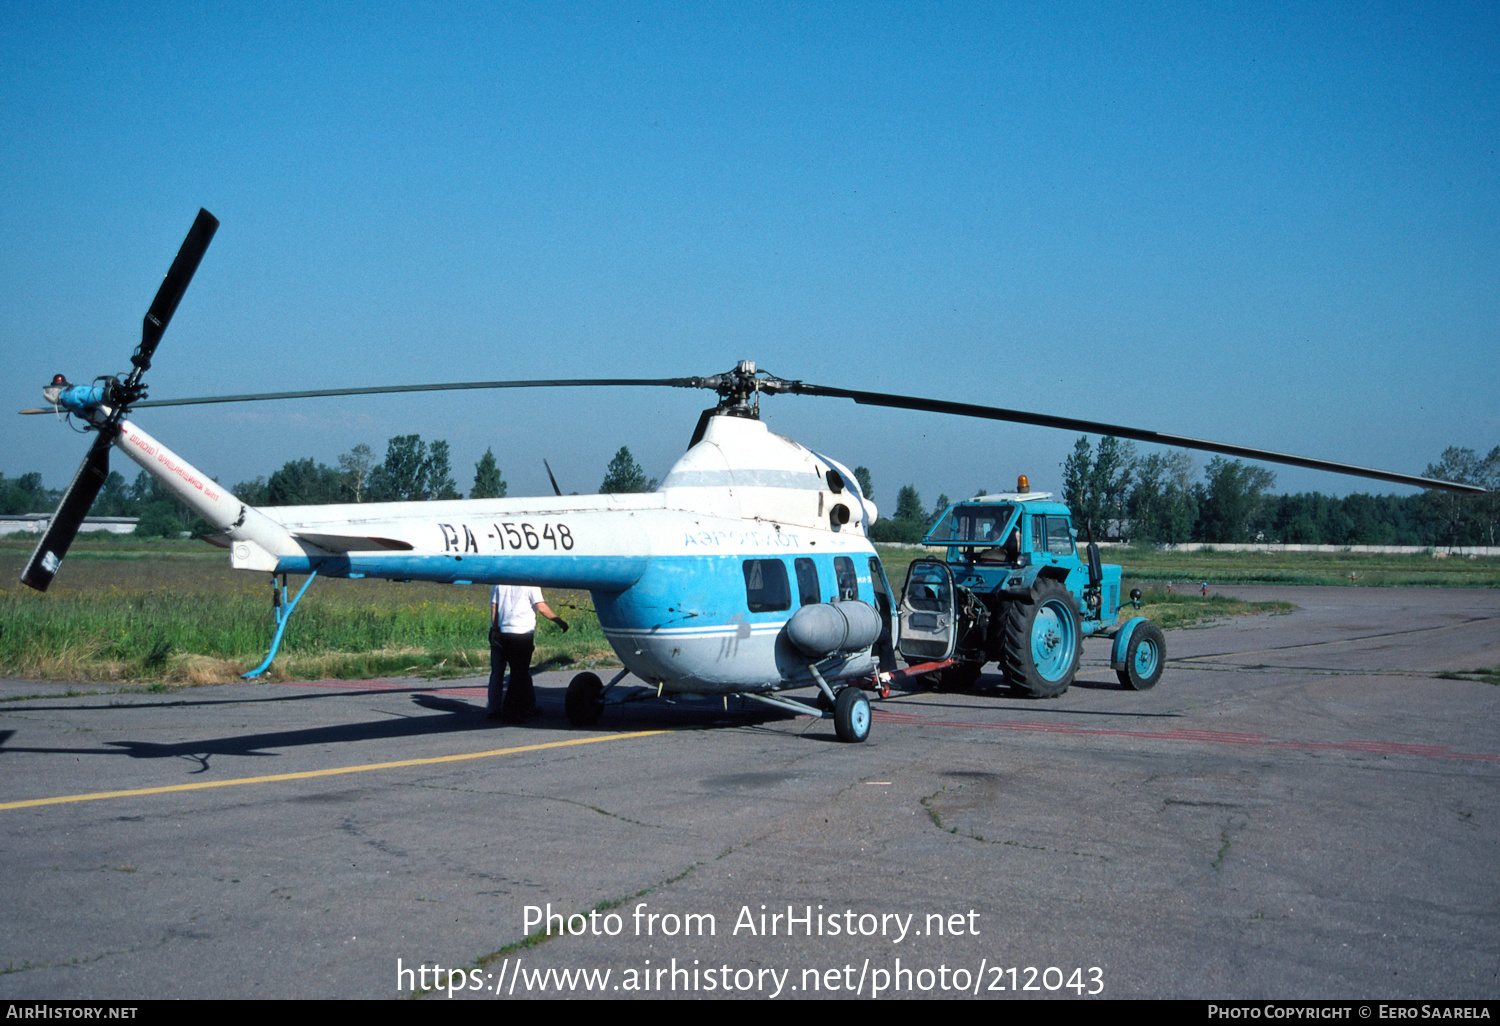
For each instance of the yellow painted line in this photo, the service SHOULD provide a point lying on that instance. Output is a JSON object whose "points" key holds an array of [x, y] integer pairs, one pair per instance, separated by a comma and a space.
{"points": [[310, 774]]}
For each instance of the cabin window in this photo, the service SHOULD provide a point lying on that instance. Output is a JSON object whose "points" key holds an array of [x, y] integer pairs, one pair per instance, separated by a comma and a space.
{"points": [[848, 580], [1059, 536], [877, 582], [766, 586], [808, 592]]}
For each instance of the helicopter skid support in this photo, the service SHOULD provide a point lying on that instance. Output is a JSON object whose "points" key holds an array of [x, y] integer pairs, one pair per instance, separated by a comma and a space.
{"points": [[791, 705], [613, 681], [822, 684]]}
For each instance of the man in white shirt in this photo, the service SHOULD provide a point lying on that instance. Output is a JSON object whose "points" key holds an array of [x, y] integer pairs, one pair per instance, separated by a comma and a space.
{"points": [[513, 609]]}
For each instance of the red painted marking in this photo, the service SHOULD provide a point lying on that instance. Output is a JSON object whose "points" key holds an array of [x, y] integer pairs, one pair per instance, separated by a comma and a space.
{"points": [[902, 718], [136, 441], [1224, 737]]}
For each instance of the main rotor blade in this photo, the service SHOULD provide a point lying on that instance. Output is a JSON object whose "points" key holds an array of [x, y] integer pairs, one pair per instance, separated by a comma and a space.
{"points": [[906, 402], [75, 504], [172, 287], [903, 402], [450, 386]]}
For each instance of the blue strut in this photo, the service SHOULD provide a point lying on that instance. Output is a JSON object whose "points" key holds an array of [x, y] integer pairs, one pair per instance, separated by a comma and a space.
{"points": [[282, 611]]}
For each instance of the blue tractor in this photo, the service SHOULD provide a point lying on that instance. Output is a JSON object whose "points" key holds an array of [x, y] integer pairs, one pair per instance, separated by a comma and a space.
{"points": [[1013, 590]]}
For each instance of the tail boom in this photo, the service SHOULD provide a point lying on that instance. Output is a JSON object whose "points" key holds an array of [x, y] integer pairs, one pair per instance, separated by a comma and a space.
{"points": [[259, 541]]}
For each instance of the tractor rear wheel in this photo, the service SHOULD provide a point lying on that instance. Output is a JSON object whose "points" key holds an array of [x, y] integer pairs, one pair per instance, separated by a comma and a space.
{"points": [[1042, 641]]}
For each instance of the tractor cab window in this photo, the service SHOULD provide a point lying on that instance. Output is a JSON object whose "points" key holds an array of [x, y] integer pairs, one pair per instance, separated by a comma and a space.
{"points": [[972, 525], [848, 580], [766, 586], [1059, 536], [930, 589], [808, 592]]}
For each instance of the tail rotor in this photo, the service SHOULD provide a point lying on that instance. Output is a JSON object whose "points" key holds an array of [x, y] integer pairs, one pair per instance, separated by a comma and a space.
{"points": [[116, 399]]}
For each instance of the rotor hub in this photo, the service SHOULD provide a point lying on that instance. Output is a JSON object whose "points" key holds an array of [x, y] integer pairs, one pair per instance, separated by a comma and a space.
{"points": [[740, 389]]}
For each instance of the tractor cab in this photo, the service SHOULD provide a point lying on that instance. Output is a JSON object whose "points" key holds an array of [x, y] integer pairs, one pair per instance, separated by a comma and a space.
{"points": [[1005, 543], [1013, 588]]}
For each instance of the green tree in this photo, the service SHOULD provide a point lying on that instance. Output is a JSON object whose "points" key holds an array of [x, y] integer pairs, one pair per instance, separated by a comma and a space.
{"points": [[114, 498], [1114, 466], [1096, 483], [403, 475], [1230, 499], [159, 514], [25, 494], [937, 510], [412, 472], [1079, 487], [253, 492], [488, 484], [305, 483], [158, 520], [440, 483], [909, 523], [909, 506], [1456, 519], [1161, 503], [1147, 504], [866, 482], [624, 474], [356, 465]]}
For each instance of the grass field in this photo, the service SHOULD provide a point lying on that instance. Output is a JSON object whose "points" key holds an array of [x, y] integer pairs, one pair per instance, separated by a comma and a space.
{"points": [[124, 609], [173, 611]]}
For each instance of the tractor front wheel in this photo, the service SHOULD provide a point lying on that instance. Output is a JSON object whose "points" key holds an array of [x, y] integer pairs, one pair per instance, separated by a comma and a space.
{"points": [[1145, 655]]}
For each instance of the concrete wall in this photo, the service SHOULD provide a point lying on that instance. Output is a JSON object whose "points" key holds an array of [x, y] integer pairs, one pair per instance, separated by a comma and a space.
{"points": [[36, 523]]}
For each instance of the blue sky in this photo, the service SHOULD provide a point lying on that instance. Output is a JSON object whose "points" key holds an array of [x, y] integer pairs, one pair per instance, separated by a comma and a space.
{"points": [[1272, 225]]}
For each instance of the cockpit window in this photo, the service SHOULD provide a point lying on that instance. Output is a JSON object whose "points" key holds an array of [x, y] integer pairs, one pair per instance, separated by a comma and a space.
{"points": [[848, 580]]}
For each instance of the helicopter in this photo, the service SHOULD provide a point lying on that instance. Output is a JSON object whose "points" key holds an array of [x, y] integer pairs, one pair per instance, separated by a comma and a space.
{"points": [[749, 571]]}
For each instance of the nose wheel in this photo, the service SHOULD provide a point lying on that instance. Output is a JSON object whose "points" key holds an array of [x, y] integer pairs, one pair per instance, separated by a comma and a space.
{"points": [[851, 715], [584, 701]]}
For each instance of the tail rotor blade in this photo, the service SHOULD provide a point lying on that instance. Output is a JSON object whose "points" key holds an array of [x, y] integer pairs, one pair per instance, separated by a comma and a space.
{"points": [[75, 505], [173, 286]]}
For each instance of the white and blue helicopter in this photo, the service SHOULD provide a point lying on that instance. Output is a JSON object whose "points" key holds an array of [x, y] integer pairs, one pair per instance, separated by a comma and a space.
{"points": [[748, 572]]}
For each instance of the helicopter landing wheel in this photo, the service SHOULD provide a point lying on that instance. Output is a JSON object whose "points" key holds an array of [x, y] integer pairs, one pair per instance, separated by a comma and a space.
{"points": [[585, 700], [851, 715]]}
